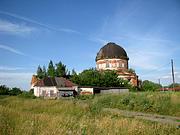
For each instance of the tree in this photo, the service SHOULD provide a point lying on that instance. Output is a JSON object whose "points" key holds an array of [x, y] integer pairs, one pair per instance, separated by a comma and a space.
{"points": [[131, 70], [61, 70], [44, 71], [175, 85], [73, 72], [4, 90], [31, 91], [40, 72], [92, 77], [150, 86], [15, 91], [51, 70]]}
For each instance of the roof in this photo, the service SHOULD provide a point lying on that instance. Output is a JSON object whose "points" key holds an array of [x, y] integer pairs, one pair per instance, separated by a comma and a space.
{"points": [[111, 50], [54, 81], [47, 81], [63, 82], [34, 80]]}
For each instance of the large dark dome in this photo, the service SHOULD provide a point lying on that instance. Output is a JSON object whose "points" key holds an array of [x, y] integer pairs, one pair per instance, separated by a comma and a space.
{"points": [[111, 50]]}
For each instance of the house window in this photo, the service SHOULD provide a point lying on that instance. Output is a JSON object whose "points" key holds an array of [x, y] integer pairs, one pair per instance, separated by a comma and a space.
{"points": [[107, 64], [51, 94], [43, 93]]}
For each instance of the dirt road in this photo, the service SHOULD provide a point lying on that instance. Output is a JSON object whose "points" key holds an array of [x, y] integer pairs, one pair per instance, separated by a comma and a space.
{"points": [[152, 117]]}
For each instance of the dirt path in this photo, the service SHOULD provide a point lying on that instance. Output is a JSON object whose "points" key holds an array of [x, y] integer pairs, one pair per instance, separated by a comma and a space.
{"points": [[152, 117]]}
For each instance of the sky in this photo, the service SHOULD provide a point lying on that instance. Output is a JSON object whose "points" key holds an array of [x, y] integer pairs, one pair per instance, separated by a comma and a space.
{"points": [[72, 31]]}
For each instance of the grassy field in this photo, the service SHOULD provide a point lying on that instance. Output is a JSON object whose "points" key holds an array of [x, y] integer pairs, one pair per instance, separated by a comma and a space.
{"points": [[20, 116], [165, 103]]}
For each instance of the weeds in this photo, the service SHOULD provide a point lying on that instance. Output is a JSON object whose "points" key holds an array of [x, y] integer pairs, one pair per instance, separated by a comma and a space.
{"points": [[153, 102], [21, 116]]}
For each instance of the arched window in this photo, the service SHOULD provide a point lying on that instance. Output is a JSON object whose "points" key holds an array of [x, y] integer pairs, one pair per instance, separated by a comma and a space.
{"points": [[123, 65], [119, 63]]}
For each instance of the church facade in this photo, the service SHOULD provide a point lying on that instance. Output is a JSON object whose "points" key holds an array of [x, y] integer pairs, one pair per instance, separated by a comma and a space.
{"points": [[114, 57]]}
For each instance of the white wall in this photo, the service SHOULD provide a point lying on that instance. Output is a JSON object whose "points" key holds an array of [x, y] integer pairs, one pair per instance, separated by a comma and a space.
{"points": [[38, 91], [85, 91], [114, 91]]}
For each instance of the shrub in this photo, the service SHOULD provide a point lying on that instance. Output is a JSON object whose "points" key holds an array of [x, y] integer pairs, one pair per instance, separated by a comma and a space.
{"points": [[15, 91], [4, 90], [26, 94], [85, 97], [150, 86]]}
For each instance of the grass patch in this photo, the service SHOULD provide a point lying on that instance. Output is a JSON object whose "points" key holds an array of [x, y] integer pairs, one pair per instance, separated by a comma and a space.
{"points": [[27, 116], [151, 102]]}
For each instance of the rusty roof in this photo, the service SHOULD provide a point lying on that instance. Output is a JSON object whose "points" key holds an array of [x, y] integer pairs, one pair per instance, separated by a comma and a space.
{"points": [[111, 50]]}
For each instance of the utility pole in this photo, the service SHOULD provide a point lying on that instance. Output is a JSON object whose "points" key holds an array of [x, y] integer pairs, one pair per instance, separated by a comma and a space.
{"points": [[159, 81], [173, 79]]}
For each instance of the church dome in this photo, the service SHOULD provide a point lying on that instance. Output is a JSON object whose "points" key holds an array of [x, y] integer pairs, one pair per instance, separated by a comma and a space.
{"points": [[111, 50]]}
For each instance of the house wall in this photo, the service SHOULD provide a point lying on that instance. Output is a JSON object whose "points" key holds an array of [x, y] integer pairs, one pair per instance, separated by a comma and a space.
{"points": [[45, 91], [86, 91], [114, 91]]}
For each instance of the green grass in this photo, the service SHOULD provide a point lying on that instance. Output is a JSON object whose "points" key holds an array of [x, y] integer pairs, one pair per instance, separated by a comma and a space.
{"points": [[167, 103], [20, 116]]}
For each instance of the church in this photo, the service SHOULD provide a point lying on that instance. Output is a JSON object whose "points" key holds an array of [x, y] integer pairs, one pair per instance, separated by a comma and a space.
{"points": [[110, 57], [113, 57]]}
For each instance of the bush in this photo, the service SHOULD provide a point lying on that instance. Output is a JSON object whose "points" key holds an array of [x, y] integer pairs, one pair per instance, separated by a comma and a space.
{"points": [[153, 102], [4, 90], [26, 94], [85, 97], [150, 86], [15, 91]]}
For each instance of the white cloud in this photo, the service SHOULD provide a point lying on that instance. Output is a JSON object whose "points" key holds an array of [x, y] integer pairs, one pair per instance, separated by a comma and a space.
{"points": [[67, 30], [10, 49], [166, 77], [15, 51], [6, 68], [98, 40], [15, 28], [18, 79]]}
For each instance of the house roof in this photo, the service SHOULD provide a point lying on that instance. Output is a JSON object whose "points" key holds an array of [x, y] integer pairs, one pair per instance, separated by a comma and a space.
{"points": [[63, 82], [47, 81], [34, 80], [55, 81]]}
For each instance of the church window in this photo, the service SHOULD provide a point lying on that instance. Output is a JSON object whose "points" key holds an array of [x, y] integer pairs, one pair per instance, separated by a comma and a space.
{"points": [[122, 64], [119, 64]]}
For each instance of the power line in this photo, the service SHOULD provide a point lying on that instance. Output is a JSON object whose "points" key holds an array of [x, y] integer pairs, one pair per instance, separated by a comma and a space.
{"points": [[156, 69]]}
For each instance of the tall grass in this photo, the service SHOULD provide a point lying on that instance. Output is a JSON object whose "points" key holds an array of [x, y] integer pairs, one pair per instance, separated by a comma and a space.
{"points": [[151, 102], [19, 116]]}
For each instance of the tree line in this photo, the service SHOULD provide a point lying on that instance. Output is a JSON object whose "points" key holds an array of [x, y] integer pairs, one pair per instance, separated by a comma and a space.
{"points": [[57, 70], [4, 90], [88, 77], [93, 77]]}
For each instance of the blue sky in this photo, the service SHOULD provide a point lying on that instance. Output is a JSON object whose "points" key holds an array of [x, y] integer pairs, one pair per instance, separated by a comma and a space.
{"points": [[72, 31]]}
